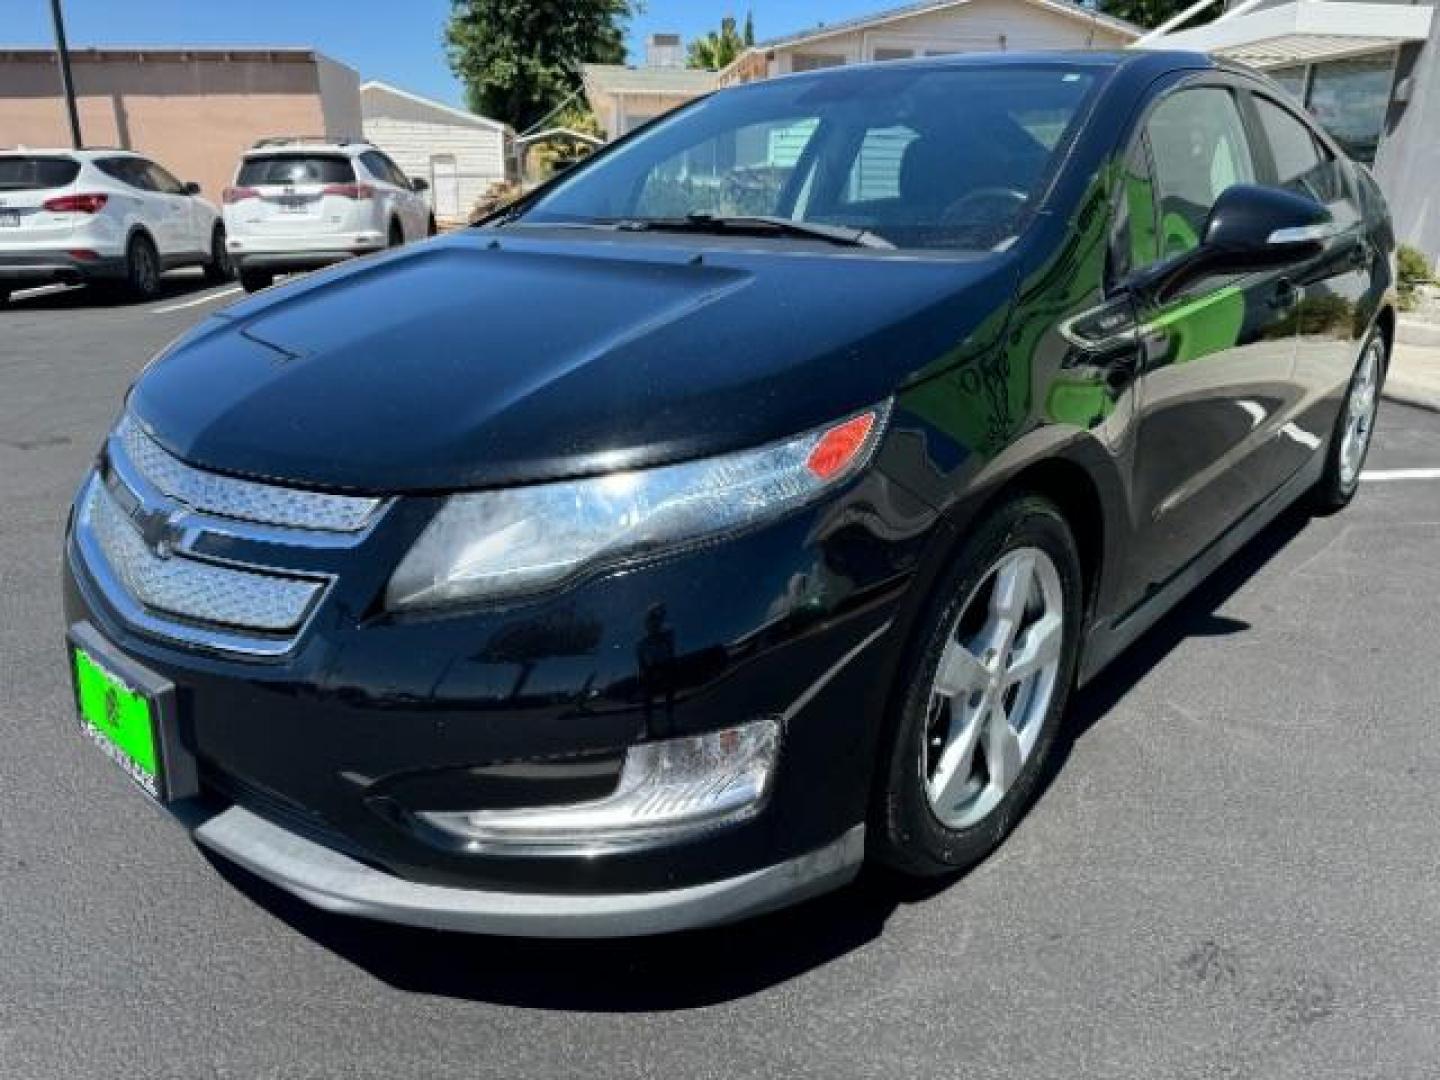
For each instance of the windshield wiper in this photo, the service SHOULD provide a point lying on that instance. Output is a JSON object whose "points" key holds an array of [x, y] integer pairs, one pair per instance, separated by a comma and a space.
{"points": [[722, 223]]}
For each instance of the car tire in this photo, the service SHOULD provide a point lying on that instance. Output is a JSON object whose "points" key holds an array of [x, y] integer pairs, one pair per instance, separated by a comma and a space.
{"points": [[4, 297], [219, 269], [397, 235], [142, 268], [432, 227], [1350, 441], [940, 807], [252, 281]]}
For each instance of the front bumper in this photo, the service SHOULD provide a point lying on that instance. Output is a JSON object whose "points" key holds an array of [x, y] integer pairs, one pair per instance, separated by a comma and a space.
{"points": [[335, 882]]}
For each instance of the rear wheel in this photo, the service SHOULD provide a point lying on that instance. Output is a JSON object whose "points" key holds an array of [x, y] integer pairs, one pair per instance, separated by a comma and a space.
{"points": [[982, 692], [142, 268], [431, 227], [1350, 442], [219, 269], [4, 297], [255, 280], [397, 235]]}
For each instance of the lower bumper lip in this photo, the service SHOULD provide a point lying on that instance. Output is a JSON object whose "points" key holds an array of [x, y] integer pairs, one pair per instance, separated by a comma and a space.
{"points": [[335, 882]]}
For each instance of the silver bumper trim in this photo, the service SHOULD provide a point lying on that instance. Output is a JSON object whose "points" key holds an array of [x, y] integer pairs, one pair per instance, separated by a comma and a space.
{"points": [[335, 882]]}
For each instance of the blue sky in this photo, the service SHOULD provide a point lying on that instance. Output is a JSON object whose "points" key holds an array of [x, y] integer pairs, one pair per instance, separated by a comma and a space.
{"points": [[398, 42]]}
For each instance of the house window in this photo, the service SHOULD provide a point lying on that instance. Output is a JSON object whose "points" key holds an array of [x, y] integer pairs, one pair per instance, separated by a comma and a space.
{"points": [[894, 54], [815, 61], [1350, 98]]}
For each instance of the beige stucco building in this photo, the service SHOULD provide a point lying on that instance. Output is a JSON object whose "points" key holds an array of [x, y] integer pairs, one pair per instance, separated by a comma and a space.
{"points": [[193, 110]]}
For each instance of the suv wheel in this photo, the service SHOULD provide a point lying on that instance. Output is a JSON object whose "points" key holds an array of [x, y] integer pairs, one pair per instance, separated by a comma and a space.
{"points": [[142, 268], [982, 692], [397, 235], [4, 297], [1350, 441], [219, 269], [255, 280], [431, 227]]}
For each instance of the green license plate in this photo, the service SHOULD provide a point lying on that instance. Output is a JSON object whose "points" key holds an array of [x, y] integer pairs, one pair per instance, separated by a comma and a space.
{"points": [[121, 720]]}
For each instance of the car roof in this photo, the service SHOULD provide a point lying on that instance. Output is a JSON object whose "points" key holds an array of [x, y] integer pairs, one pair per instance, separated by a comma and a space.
{"points": [[303, 144], [86, 154]]}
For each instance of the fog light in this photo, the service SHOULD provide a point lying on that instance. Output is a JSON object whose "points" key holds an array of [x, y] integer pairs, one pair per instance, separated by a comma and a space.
{"points": [[668, 790]]}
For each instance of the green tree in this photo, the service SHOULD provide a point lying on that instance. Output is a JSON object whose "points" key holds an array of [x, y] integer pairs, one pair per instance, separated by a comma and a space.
{"points": [[1151, 13], [719, 47], [519, 59]]}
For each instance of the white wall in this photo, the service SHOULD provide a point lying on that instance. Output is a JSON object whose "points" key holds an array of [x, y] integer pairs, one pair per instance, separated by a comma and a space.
{"points": [[480, 154], [978, 26]]}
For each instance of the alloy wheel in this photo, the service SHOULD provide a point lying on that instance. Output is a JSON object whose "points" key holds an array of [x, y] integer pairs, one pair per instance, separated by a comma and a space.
{"points": [[993, 687], [1360, 409]]}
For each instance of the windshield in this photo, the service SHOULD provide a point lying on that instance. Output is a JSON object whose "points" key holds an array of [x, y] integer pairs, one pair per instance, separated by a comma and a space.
{"points": [[37, 173], [918, 156]]}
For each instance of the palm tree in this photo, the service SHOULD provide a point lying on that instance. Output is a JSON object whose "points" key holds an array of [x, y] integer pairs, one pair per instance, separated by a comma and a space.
{"points": [[719, 48]]}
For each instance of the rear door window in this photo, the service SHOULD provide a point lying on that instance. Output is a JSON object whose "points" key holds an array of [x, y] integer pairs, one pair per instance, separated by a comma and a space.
{"points": [[37, 173], [293, 170], [128, 170]]}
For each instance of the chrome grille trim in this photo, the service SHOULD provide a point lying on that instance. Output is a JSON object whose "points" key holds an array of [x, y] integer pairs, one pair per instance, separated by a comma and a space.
{"points": [[187, 588], [245, 500]]}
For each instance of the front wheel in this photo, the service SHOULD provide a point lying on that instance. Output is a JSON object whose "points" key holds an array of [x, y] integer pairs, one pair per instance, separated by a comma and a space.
{"points": [[982, 693], [1350, 441], [219, 269]]}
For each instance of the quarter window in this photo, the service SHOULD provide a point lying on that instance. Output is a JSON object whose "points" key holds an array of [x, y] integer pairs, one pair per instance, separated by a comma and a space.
{"points": [[1198, 145], [1300, 165]]}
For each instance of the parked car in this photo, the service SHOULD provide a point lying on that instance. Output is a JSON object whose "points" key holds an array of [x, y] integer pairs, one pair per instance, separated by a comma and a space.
{"points": [[300, 203], [778, 541], [106, 216]]}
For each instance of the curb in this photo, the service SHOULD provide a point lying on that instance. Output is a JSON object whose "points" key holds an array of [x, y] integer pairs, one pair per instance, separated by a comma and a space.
{"points": [[1416, 394]]}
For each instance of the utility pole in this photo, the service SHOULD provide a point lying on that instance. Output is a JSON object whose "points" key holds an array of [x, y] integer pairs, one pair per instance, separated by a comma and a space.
{"points": [[67, 82]]}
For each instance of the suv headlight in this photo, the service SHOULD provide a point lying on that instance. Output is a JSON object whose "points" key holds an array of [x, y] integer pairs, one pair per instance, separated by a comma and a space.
{"points": [[495, 544]]}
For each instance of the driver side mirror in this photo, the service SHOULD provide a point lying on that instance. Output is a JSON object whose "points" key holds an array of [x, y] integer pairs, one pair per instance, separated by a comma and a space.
{"points": [[419, 185], [1250, 227], [191, 188]]}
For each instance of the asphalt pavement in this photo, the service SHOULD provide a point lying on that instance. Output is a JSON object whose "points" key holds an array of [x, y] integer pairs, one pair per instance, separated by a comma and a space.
{"points": [[1231, 872]]}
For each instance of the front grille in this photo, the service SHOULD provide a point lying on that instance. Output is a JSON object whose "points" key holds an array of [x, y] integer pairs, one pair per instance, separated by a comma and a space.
{"points": [[149, 529], [244, 500], [200, 591]]}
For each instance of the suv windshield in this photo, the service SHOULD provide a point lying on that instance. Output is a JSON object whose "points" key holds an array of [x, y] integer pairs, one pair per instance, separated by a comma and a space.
{"points": [[36, 173], [918, 156], [294, 169]]}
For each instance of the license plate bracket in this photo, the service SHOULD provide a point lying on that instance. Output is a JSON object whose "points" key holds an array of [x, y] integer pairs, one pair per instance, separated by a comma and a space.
{"points": [[130, 713]]}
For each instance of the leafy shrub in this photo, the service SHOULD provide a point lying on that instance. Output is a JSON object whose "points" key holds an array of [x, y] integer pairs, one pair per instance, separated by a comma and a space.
{"points": [[1414, 270]]}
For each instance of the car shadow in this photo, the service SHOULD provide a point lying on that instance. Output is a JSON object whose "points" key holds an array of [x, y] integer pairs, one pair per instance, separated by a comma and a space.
{"points": [[177, 285], [696, 969]]}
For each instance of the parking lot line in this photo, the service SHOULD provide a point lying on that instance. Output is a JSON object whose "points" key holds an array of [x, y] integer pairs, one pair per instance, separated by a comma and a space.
{"points": [[1400, 474], [207, 298]]}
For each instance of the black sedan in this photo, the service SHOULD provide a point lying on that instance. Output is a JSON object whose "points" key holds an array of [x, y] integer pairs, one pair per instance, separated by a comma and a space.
{"points": [[742, 505]]}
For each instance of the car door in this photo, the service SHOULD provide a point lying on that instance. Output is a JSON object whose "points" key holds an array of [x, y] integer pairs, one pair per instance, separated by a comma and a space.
{"points": [[1333, 285], [415, 209], [181, 211], [1216, 379], [390, 199]]}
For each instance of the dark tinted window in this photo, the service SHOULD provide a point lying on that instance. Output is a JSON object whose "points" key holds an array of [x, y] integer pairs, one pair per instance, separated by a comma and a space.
{"points": [[1301, 165], [382, 168], [128, 170], [36, 173], [1198, 149], [163, 181], [295, 169], [883, 148]]}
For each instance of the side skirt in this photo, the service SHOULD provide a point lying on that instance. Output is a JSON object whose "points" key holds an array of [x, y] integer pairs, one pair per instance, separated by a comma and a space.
{"points": [[1106, 643]]}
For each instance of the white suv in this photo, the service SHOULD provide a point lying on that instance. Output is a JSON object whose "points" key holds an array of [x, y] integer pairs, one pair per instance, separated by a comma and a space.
{"points": [[300, 203], [101, 215]]}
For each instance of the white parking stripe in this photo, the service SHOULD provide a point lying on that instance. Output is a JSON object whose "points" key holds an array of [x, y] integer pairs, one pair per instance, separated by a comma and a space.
{"points": [[42, 290], [207, 298], [1400, 474]]}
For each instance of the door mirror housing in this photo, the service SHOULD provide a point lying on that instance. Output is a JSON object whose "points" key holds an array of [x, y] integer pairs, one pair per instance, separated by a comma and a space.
{"points": [[191, 188], [1250, 227], [417, 184]]}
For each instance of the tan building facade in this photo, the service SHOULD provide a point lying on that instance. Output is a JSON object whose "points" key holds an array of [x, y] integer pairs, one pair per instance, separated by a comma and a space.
{"points": [[193, 110]]}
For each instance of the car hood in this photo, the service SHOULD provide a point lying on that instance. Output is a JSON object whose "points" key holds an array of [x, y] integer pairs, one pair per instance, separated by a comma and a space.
{"points": [[496, 358]]}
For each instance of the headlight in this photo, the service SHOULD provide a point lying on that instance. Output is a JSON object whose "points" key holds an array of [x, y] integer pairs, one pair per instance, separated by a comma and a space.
{"points": [[496, 544], [668, 790]]}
